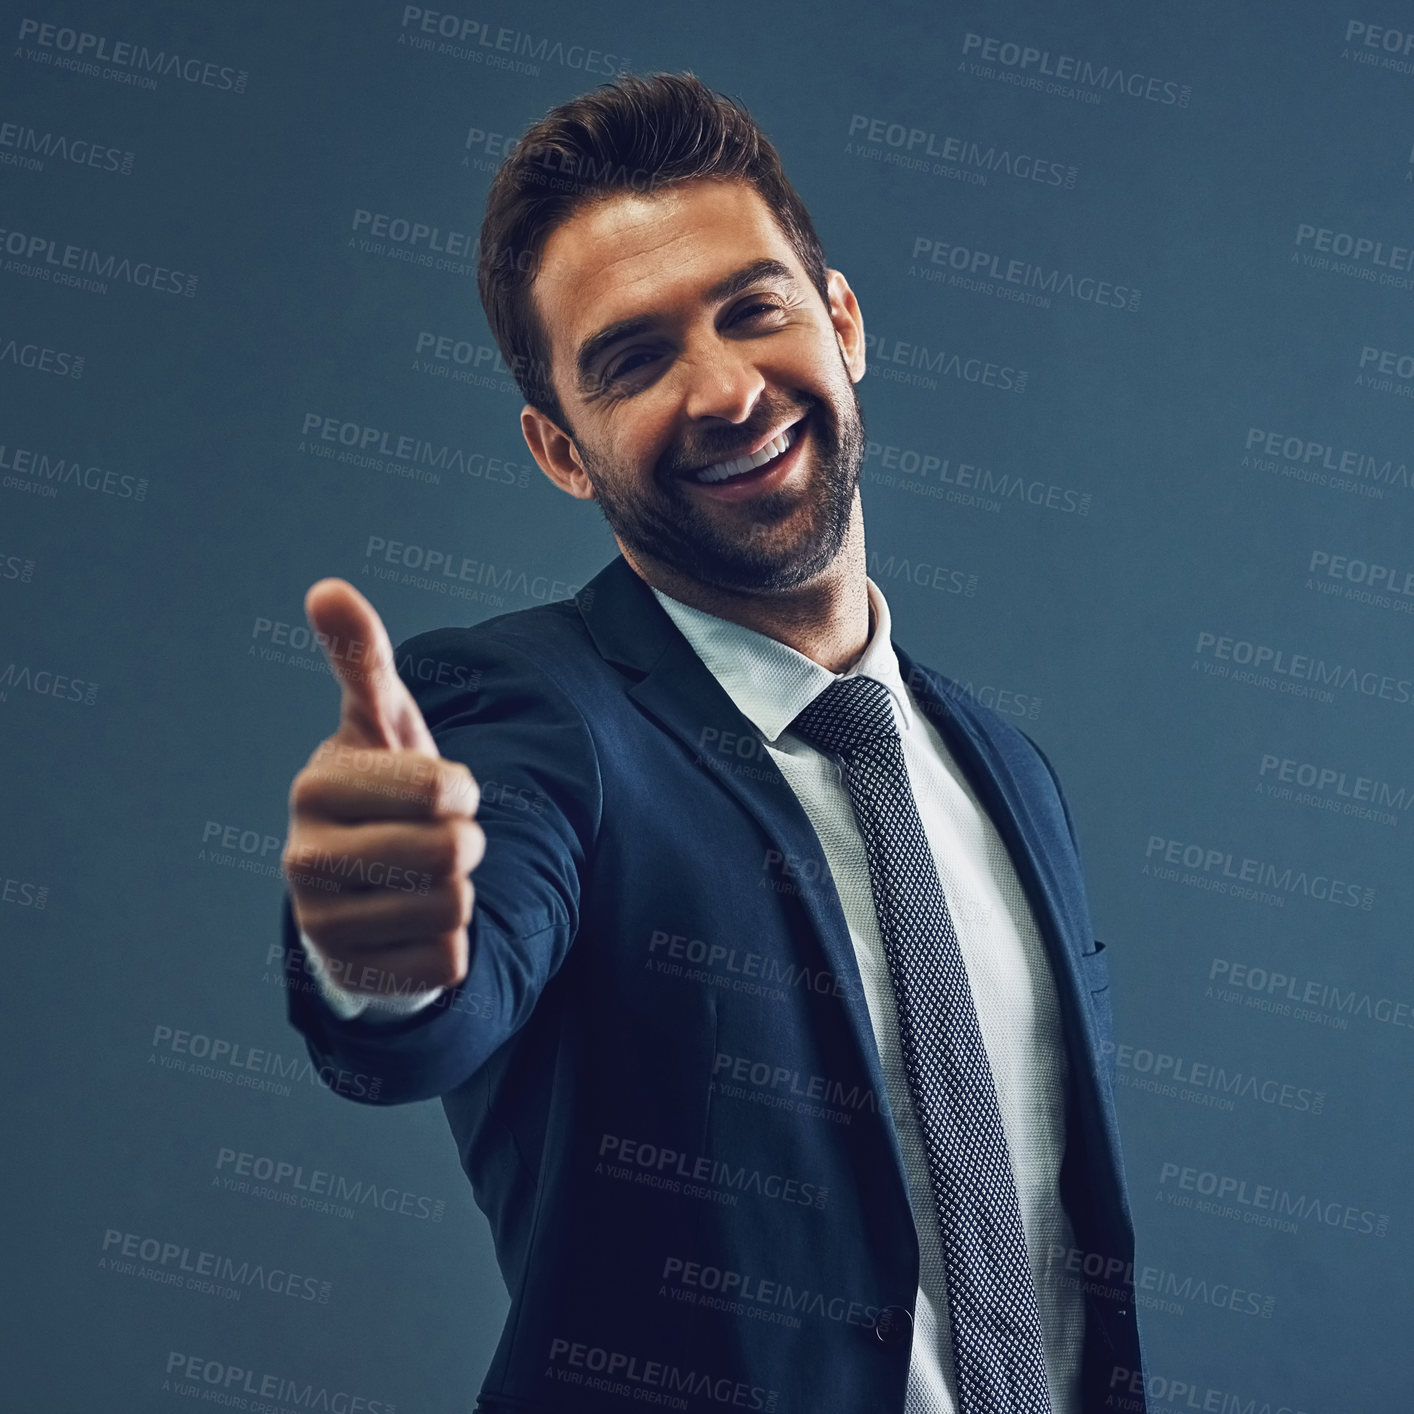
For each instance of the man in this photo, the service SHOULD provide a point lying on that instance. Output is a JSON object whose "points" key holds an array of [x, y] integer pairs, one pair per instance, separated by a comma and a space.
{"points": [[771, 1027]]}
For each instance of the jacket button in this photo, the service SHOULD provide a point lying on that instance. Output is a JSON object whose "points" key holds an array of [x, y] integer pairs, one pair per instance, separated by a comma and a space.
{"points": [[894, 1325]]}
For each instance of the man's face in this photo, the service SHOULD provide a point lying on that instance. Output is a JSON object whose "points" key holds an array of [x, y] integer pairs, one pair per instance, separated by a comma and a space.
{"points": [[685, 336]]}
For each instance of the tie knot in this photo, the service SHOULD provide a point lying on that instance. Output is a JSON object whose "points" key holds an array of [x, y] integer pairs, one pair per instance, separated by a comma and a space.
{"points": [[849, 714]]}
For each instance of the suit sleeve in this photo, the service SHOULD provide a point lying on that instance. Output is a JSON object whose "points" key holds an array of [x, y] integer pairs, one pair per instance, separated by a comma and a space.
{"points": [[492, 706], [372, 1005]]}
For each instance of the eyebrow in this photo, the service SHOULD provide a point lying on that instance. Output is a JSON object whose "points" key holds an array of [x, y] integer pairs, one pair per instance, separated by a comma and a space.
{"points": [[595, 345]]}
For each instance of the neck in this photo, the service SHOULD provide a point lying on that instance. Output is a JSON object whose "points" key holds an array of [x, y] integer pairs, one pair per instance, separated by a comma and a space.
{"points": [[826, 619]]}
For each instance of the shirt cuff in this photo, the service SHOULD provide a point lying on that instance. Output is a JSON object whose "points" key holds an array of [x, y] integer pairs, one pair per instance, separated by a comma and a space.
{"points": [[372, 1006]]}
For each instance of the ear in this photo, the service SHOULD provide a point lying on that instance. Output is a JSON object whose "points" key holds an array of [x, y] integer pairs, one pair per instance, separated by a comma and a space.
{"points": [[555, 452], [848, 322]]}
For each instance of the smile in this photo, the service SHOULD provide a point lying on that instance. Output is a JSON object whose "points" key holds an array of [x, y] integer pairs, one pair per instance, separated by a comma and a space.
{"points": [[778, 446]]}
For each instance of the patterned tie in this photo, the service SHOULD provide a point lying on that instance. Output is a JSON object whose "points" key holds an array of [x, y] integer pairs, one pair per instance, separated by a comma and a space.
{"points": [[996, 1331]]}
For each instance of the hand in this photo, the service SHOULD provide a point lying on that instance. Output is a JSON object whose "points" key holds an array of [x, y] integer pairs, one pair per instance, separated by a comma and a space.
{"points": [[382, 830]]}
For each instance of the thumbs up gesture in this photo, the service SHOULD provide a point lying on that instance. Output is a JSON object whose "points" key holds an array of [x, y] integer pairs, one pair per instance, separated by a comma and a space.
{"points": [[382, 831]]}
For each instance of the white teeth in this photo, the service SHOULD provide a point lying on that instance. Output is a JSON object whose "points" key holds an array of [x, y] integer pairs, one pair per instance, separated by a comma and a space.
{"points": [[722, 470]]}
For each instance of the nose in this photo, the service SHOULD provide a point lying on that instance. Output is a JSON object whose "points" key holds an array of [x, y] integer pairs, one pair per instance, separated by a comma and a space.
{"points": [[722, 381]]}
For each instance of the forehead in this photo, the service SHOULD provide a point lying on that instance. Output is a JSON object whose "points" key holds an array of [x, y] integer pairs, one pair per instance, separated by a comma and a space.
{"points": [[635, 254]]}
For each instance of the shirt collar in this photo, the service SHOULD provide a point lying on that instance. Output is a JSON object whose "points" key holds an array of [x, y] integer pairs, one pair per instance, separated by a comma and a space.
{"points": [[772, 683]]}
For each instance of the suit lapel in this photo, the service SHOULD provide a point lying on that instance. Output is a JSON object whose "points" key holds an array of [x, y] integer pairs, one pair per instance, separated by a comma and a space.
{"points": [[1058, 910], [676, 689], [673, 686], [630, 628]]}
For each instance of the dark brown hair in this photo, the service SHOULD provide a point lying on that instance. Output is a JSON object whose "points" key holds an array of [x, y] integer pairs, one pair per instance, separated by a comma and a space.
{"points": [[635, 134]]}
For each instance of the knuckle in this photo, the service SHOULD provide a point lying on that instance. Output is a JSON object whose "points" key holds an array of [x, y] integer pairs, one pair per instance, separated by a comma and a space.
{"points": [[453, 783], [453, 958], [446, 908], [444, 852], [295, 859], [462, 851], [476, 844], [303, 789]]}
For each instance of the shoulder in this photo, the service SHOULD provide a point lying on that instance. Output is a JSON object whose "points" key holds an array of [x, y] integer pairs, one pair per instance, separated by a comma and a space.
{"points": [[508, 698], [540, 656], [987, 721], [988, 714]]}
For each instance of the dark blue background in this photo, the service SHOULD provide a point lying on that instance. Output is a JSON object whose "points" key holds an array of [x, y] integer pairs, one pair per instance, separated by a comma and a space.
{"points": [[125, 921]]}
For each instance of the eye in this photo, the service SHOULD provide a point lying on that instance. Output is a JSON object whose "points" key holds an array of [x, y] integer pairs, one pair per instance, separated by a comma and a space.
{"points": [[754, 308], [630, 363]]}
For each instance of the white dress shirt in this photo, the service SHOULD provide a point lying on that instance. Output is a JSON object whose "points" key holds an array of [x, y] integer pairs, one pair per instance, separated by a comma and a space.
{"points": [[1007, 967]]}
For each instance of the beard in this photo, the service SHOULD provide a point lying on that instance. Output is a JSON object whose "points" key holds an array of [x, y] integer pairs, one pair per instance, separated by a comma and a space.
{"points": [[767, 543]]}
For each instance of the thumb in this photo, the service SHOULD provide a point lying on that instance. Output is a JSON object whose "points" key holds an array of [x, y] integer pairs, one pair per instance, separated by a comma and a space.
{"points": [[376, 709]]}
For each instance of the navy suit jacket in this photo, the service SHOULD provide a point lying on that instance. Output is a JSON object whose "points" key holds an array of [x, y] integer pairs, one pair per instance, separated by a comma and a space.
{"points": [[660, 1070]]}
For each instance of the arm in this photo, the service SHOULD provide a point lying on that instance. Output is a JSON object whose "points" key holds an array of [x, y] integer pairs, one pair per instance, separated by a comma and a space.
{"points": [[488, 705]]}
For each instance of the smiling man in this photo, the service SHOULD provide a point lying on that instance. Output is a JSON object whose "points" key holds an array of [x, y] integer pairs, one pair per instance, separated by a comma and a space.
{"points": [[716, 424], [750, 961]]}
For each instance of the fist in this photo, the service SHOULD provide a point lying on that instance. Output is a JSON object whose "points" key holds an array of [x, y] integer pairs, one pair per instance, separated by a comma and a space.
{"points": [[383, 835]]}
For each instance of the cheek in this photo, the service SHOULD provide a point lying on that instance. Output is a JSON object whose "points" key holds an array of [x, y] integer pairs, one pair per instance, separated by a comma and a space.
{"points": [[815, 360], [644, 432]]}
